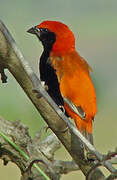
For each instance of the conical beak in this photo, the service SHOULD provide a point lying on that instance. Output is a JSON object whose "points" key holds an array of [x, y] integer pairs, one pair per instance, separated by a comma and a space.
{"points": [[32, 30]]}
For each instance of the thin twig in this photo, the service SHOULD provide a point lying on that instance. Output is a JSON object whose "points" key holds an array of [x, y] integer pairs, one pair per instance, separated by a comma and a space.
{"points": [[29, 151], [101, 163]]}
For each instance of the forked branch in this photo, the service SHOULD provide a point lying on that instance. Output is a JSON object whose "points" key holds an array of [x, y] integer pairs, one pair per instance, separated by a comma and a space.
{"points": [[12, 59]]}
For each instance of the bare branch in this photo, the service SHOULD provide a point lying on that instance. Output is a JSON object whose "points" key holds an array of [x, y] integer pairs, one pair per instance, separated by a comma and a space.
{"points": [[65, 166], [19, 134], [35, 148], [111, 177], [106, 158], [12, 59]]}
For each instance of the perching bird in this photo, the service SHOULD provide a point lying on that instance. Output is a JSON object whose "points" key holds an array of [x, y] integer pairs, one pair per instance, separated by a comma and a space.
{"points": [[66, 74]]}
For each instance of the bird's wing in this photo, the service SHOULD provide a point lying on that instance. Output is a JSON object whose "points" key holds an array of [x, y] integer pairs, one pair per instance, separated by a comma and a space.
{"points": [[77, 109]]}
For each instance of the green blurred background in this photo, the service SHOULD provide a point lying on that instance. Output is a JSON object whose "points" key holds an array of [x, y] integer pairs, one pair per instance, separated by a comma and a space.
{"points": [[94, 24]]}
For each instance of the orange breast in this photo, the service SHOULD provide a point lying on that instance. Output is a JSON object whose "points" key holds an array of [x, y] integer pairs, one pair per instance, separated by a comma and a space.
{"points": [[75, 82]]}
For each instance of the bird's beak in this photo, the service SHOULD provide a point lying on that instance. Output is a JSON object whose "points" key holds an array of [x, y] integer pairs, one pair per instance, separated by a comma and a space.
{"points": [[32, 30], [35, 30]]}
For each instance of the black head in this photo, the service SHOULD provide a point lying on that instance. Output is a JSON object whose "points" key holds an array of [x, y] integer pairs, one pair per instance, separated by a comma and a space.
{"points": [[44, 35]]}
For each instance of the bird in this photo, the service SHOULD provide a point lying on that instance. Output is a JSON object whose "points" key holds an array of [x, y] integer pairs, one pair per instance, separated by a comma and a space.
{"points": [[66, 74]]}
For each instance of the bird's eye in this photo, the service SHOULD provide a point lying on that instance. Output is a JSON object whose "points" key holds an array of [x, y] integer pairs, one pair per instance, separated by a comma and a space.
{"points": [[46, 30], [43, 30]]}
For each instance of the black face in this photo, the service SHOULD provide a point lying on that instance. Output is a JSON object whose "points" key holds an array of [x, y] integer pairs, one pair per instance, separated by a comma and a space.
{"points": [[44, 35]]}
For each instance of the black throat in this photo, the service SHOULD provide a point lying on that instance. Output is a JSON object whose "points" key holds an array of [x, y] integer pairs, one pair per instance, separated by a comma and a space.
{"points": [[48, 75]]}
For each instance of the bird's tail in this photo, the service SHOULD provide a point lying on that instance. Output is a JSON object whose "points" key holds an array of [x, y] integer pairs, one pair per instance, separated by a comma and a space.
{"points": [[85, 127]]}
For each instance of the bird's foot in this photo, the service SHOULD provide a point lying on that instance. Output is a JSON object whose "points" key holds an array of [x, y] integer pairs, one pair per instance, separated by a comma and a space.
{"points": [[44, 85], [38, 94], [90, 156], [62, 108], [35, 90]]}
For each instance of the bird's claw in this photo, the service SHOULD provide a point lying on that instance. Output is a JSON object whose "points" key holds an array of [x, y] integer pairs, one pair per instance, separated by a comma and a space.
{"points": [[44, 85], [35, 90], [62, 108], [38, 94], [90, 156]]}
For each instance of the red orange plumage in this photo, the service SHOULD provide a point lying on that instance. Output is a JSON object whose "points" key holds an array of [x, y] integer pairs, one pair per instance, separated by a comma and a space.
{"points": [[73, 74]]}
